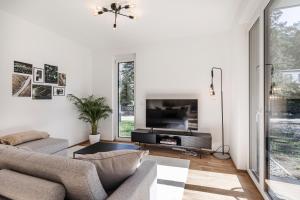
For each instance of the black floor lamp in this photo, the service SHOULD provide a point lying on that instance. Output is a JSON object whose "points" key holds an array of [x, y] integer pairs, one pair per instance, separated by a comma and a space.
{"points": [[220, 155]]}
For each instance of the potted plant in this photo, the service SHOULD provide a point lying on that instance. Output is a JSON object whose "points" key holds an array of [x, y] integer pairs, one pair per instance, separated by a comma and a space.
{"points": [[91, 110]]}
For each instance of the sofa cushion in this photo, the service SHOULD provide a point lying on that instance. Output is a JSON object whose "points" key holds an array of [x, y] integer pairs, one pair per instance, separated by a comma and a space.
{"points": [[47, 146], [114, 167], [79, 177], [141, 185], [19, 186], [63, 153], [22, 137]]}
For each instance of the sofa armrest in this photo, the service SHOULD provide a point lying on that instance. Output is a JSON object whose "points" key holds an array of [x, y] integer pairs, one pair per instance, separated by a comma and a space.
{"points": [[15, 185], [140, 186]]}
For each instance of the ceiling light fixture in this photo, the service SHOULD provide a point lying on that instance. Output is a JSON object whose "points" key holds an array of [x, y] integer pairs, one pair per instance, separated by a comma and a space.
{"points": [[116, 10]]}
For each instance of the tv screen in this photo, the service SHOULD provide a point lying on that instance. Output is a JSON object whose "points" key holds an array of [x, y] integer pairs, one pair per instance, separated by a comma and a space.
{"points": [[179, 114]]}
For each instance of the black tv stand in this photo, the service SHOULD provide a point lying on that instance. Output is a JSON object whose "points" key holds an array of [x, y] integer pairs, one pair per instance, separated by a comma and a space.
{"points": [[188, 140], [152, 130], [191, 132]]}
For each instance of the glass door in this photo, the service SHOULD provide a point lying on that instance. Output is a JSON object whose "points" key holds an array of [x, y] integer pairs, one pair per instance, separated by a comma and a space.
{"points": [[126, 99], [254, 84], [282, 99]]}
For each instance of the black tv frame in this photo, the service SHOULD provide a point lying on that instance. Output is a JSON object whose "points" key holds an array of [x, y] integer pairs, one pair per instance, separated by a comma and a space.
{"points": [[174, 129]]}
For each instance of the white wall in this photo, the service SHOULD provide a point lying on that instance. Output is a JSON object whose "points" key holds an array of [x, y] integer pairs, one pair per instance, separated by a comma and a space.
{"points": [[239, 141], [174, 69], [25, 42]]}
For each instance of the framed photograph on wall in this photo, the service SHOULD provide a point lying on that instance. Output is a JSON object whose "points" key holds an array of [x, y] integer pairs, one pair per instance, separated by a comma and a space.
{"points": [[51, 74], [21, 85], [23, 68], [59, 91], [62, 79], [38, 75], [41, 92]]}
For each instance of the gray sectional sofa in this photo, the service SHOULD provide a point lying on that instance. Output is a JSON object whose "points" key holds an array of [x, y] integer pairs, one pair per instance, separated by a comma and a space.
{"points": [[53, 146], [35, 175]]}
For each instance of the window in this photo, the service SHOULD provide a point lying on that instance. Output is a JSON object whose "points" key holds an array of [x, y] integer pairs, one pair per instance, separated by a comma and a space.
{"points": [[288, 77], [282, 99], [126, 98]]}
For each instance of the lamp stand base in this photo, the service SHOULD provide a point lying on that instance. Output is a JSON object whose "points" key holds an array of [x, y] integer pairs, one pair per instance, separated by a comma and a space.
{"points": [[221, 156]]}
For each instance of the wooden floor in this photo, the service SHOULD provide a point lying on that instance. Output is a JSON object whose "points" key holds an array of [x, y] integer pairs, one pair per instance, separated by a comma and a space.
{"points": [[212, 179]]}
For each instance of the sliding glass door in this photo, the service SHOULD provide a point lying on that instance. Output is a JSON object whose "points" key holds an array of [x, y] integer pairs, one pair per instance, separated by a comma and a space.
{"points": [[282, 99], [254, 84], [126, 100]]}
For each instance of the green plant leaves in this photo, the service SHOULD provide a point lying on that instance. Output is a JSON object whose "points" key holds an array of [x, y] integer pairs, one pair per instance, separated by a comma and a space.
{"points": [[91, 109]]}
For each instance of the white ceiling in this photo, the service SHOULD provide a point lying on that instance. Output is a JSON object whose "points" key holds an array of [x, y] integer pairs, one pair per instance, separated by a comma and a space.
{"points": [[158, 20]]}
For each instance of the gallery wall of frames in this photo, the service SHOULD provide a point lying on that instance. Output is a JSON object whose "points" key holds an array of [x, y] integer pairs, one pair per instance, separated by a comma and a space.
{"points": [[38, 83]]}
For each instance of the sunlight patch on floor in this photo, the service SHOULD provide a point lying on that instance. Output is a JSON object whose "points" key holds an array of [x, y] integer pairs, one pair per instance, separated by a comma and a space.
{"points": [[168, 192], [171, 173], [284, 190], [171, 177], [171, 182], [215, 180], [191, 194]]}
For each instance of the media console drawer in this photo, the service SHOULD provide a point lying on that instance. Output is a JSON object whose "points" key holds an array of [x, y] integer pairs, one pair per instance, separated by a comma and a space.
{"points": [[147, 138]]}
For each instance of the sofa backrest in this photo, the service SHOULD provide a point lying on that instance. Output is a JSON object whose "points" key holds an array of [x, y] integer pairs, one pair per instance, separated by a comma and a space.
{"points": [[80, 178]]}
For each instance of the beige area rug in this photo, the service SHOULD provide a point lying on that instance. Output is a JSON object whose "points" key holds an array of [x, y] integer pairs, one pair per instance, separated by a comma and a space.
{"points": [[172, 175]]}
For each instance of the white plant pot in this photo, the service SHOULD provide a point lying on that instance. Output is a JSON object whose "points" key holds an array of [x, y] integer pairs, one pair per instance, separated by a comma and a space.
{"points": [[94, 138]]}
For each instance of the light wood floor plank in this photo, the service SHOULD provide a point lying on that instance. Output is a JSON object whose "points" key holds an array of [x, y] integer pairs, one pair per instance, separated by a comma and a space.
{"points": [[212, 179]]}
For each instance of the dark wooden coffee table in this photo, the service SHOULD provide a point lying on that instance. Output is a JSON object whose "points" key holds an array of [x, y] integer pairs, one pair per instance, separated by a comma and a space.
{"points": [[104, 147]]}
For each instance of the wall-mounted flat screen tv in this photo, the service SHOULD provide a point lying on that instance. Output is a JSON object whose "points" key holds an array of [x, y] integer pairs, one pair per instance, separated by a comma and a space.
{"points": [[180, 114]]}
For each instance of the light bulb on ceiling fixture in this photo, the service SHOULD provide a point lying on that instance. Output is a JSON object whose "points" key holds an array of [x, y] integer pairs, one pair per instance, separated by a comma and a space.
{"points": [[132, 13], [95, 13], [132, 5]]}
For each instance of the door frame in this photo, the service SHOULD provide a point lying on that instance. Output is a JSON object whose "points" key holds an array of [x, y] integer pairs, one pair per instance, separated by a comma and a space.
{"points": [[263, 172], [119, 59], [258, 124], [260, 183]]}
